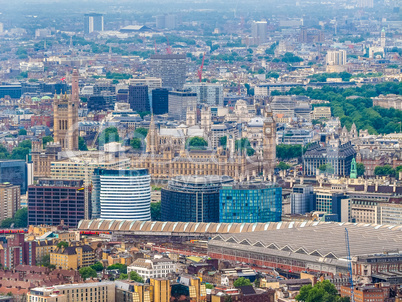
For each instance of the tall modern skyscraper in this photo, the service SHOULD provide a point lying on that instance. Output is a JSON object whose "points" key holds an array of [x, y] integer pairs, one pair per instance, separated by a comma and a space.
{"points": [[259, 31], [171, 68], [93, 22], [65, 112], [121, 194], [138, 98]]}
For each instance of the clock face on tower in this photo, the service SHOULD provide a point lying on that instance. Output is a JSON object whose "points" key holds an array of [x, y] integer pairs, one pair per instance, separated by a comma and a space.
{"points": [[267, 130]]}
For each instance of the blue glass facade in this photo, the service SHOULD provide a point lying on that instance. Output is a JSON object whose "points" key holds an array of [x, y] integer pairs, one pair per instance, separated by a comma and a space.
{"points": [[250, 203], [14, 172]]}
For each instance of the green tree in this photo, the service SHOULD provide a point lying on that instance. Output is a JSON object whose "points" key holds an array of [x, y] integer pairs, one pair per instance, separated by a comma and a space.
{"points": [[360, 169], [6, 223], [62, 244], [121, 267], [156, 211], [323, 291], [98, 266], [141, 132], [22, 132], [135, 277], [21, 218], [82, 146], [397, 170], [223, 141], [3, 152], [87, 272], [123, 277], [326, 168], [19, 153], [198, 142], [143, 113], [46, 139], [209, 286], [386, 170], [241, 282], [283, 166], [289, 151], [135, 143], [244, 144], [45, 261], [108, 135], [22, 150]]}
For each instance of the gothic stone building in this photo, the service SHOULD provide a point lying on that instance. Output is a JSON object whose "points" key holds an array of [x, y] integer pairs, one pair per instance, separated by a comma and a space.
{"points": [[164, 161]]}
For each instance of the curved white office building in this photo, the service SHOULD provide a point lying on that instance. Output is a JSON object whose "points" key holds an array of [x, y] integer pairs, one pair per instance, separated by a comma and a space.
{"points": [[121, 194]]}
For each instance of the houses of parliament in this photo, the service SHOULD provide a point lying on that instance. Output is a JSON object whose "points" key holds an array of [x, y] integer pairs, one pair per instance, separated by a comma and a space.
{"points": [[166, 155]]}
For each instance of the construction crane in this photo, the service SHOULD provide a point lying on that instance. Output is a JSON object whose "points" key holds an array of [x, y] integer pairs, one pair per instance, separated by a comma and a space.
{"points": [[200, 69], [168, 49], [352, 294]]}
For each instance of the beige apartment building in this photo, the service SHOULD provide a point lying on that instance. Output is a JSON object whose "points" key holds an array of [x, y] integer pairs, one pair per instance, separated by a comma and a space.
{"points": [[10, 200]]}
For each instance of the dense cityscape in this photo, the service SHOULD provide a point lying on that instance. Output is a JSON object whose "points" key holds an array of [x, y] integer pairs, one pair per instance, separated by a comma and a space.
{"points": [[201, 151]]}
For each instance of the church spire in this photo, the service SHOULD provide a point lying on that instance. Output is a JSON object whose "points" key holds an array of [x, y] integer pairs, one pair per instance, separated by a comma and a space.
{"points": [[152, 137]]}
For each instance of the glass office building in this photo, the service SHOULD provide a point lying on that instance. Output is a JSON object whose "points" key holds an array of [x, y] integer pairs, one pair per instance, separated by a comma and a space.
{"points": [[192, 198], [14, 172], [121, 194], [250, 203]]}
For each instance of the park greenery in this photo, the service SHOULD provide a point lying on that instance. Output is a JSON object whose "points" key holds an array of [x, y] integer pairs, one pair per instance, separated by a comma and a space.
{"points": [[323, 291], [354, 105]]}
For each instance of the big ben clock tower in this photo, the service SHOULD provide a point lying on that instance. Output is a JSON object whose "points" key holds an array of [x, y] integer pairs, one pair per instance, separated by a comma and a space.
{"points": [[269, 144]]}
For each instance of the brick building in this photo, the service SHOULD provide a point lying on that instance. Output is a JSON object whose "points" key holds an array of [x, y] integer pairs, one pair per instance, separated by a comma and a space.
{"points": [[52, 201], [369, 293], [16, 251]]}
